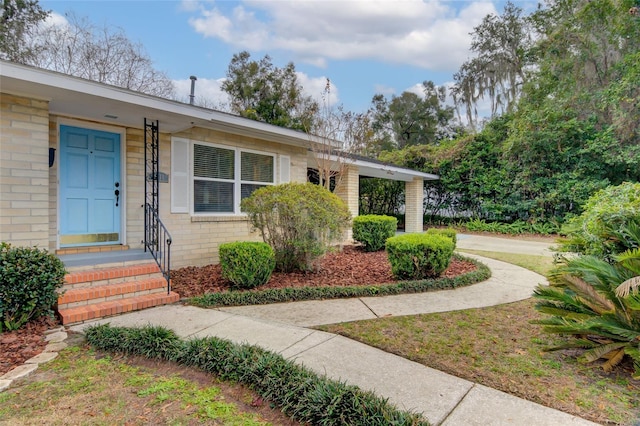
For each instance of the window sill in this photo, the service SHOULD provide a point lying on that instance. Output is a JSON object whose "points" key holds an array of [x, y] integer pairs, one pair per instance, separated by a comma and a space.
{"points": [[239, 218]]}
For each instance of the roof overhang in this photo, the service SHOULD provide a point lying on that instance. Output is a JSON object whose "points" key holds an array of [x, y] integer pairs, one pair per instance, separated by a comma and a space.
{"points": [[372, 168], [79, 98], [89, 100]]}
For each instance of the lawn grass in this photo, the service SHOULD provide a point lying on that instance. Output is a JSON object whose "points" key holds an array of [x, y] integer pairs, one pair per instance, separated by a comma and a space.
{"points": [[85, 387], [500, 348], [538, 264]]}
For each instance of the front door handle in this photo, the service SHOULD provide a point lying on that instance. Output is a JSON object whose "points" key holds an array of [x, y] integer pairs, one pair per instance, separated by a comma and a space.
{"points": [[117, 196]]}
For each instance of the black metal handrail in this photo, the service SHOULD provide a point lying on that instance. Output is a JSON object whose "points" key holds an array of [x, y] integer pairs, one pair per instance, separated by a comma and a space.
{"points": [[158, 241]]}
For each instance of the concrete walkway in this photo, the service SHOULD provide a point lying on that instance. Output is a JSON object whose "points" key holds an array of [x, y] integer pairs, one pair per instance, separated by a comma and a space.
{"points": [[442, 398]]}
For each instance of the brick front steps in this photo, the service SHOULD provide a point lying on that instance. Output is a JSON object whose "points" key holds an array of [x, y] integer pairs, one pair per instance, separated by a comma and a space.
{"points": [[91, 293]]}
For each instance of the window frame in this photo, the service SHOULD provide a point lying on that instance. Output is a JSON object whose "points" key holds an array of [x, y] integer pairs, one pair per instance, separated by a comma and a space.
{"points": [[237, 178]]}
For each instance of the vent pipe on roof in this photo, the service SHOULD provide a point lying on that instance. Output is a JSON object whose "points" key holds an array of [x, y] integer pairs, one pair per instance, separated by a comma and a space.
{"points": [[192, 96]]}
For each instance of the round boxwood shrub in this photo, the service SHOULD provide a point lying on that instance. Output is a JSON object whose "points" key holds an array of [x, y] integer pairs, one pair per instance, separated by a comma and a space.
{"points": [[447, 232], [419, 256], [247, 264], [373, 230], [29, 283]]}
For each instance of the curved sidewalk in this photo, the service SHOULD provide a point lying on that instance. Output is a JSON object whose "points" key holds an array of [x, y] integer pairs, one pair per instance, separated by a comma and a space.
{"points": [[508, 283], [442, 398]]}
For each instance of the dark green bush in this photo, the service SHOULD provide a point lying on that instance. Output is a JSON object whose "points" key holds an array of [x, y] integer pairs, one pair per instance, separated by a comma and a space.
{"points": [[373, 230], [29, 283], [299, 221], [447, 232], [299, 392], [416, 256], [247, 264], [596, 231], [512, 228]]}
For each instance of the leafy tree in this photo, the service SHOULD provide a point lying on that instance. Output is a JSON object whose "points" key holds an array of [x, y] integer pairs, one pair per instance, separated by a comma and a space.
{"points": [[474, 179], [621, 100], [18, 19], [99, 54], [587, 53], [411, 119], [501, 44], [380, 196], [263, 92]]}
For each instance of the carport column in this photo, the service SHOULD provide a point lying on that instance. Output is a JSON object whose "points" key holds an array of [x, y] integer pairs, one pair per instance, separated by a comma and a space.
{"points": [[348, 190], [414, 194]]}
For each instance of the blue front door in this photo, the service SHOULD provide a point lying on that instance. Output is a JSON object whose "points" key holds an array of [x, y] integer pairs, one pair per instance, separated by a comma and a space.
{"points": [[90, 188]]}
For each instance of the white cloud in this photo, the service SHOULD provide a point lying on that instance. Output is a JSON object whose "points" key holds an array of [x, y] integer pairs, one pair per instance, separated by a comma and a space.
{"points": [[315, 87], [55, 20], [417, 88], [432, 35], [384, 90]]}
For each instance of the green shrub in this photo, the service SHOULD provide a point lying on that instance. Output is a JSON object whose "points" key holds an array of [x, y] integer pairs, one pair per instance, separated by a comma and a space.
{"points": [[299, 221], [29, 283], [416, 256], [596, 231], [450, 233], [299, 392], [516, 227], [373, 230], [247, 264]]}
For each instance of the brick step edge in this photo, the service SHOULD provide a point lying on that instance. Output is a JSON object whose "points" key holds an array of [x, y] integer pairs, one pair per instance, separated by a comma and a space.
{"points": [[115, 307], [104, 293], [106, 274]]}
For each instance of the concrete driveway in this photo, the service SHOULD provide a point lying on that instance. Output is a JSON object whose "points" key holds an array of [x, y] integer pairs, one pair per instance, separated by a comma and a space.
{"points": [[506, 245]]}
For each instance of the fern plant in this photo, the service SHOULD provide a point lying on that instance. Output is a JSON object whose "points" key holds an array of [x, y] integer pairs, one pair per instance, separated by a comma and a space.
{"points": [[598, 302]]}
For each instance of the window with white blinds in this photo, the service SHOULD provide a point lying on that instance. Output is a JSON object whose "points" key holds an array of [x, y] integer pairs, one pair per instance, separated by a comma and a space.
{"points": [[222, 177]]}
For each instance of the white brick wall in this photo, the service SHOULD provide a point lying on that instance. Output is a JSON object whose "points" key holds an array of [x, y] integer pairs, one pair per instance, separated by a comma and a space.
{"points": [[24, 171]]}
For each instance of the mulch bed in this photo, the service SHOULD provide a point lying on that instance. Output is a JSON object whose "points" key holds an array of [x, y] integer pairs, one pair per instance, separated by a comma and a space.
{"points": [[18, 346], [351, 266]]}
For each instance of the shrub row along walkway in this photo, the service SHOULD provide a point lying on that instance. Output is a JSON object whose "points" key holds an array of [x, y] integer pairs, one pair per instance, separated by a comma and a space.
{"points": [[443, 399]]}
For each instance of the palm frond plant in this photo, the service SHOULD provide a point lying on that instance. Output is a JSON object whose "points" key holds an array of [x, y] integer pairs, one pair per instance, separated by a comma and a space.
{"points": [[597, 302]]}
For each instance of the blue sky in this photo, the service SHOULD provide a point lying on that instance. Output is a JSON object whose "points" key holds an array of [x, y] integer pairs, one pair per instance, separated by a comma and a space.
{"points": [[363, 47]]}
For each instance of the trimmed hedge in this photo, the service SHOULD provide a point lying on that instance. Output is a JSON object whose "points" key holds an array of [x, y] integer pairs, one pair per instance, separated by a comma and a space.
{"points": [[293, 294], [298, 391], [29, 282], [417, 256], [247, 264], [447, 232], [373, 230]]}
